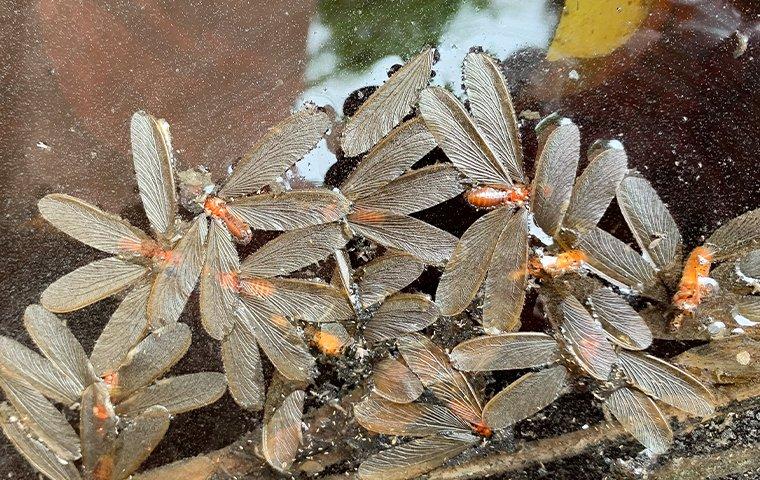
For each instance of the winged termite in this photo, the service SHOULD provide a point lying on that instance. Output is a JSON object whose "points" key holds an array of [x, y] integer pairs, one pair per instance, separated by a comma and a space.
{"points": [[282, 436]]}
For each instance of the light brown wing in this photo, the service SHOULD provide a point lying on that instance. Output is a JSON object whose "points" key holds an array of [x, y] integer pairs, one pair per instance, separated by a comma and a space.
{"points": [[282, 436], [525, 396], [154, 162], [749, 265], [178, 276], [59, 345], [400, 314], [219, 283], [640, 417], [395, 154], [718, 360], [402, 232], [290, 210], [432, 366], [91, 283], [126, 327], [507, 278], [416, 190], [415, 458], [98, 431], [622, 323], [178, 394], [595, 188], [388, 105], [36, 453], [242, 365], [748, 307], [492, 109], [650, 221], [150, 359], [508, 351], [90, 225], [201, 467], [138, 439], [393, 381], [416, 419], [555, 172], [280, 340], [460, 139], [586, 339], [667, 383], [282, 146], [41, 417], [342, 276], [465, 272], [736, 236], [299, 299], [387, 275]]}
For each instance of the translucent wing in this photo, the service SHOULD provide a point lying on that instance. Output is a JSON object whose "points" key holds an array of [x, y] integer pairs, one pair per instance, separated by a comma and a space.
{"points": [[394, 381], [465, 272], [281, 436], [737, 235], [386, 275], [431, 365], [667, 383], [138, 439], [281, 341], [400, 314], [282, 146], [390, 103], [748, 307], [242, 365], [586, 339], [459, 138], [594, 189], [90, 225], [402, 232], [416, 190], [640, 417], [394, 155], [91, 283], [178, 275], [509, 351], [622, 323], [718, 359], [178, 394], [299, 299], [650, 221], [507, 278], [36, 453], [555, 172], [749, 265], [525, 396], [152, 155], [201, 467], [41, 417], [290, 210], [409, 419], [219, 283], [414, 458], [98, 431], [151, 358], [492, 109], [58, 344], [124, 330]]}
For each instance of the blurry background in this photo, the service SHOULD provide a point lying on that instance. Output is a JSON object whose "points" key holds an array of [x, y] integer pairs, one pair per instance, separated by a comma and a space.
{"points": [[670, 79]]}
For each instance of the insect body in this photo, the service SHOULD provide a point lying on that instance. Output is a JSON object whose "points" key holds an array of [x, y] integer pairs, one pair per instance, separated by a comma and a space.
{"points": [[492, 197], [217, 208], [694, 280]]}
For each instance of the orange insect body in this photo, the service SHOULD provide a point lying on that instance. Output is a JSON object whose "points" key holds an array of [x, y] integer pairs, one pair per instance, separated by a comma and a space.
{"points": [[692, 287], [111, 380], [492, 197], [482, 429], [327, 343], [257, 287], [103, 469], [217, 208], [554, 266]]}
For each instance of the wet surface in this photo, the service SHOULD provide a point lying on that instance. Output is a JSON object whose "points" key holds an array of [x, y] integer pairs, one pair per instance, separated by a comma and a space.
{"points": [[221, 72]]}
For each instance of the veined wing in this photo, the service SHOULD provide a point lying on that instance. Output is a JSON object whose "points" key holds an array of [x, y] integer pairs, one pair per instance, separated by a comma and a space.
{"points": [[622, 323], [178, 394], [153, 159], [586, 339], [640, 417], [390, 103], [395, 154], [138, 439], [416, 419], [508, 351], [492, 109], [98, 431], [393, 381], [402, 232], [416, 190], [219, 283], [748, 307], [242, 365], [737, 235], [749, 265], [555, 172], [92, 226], [290, 210], [400, 314], [459, 138], [525, 396], [466, 270], [282, 146], [650, 221], [299, 299], [282, 436], [386, 275]]}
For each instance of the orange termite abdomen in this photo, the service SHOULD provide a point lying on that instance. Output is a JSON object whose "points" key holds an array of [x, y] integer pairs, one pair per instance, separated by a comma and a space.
{"points": [[492, 197], [692, 285], [217, 208], [482, 429]]}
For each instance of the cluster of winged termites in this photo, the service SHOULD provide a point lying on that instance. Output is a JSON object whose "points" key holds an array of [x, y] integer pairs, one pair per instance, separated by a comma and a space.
{"points": [[604, 300]]}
